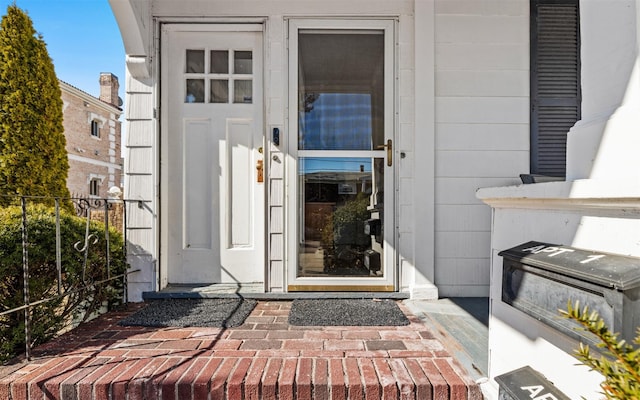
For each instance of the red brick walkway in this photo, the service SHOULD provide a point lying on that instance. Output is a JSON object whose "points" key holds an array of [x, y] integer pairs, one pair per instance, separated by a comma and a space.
{"points": [[265, 358]]}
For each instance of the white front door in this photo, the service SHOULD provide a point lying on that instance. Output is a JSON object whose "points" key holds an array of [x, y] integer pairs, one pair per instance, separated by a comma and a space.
{"points": [[211, 154]]}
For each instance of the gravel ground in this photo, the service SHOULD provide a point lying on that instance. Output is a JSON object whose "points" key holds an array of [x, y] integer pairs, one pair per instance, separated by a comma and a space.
{"points": [[346, 312], [215, 313]]}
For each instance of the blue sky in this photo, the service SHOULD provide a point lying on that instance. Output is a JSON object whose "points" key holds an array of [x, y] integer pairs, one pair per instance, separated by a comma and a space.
{"points": [[82, 38]]}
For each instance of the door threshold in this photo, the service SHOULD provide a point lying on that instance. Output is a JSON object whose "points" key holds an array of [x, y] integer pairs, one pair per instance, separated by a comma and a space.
{"points": [[250, 291]]}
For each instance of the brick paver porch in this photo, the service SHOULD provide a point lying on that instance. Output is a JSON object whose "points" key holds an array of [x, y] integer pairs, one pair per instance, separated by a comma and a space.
{"points": [[265, 358]]}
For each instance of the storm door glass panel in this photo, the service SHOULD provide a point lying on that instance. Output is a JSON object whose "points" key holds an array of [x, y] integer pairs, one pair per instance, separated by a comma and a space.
{"points": [[341, 90], [341, 214]]}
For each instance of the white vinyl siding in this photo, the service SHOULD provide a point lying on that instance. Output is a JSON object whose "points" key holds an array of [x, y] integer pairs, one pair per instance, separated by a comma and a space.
{"points": [[140, 167], [482, 130]]}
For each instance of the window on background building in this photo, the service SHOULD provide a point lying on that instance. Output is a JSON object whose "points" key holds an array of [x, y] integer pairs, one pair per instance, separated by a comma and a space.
{"points": [[95, 128], [94, 187], [555, 82]]}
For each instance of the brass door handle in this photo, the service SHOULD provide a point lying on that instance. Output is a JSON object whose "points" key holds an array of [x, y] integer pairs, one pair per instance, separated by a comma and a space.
{"points": [[260, 168], [389, 147]]}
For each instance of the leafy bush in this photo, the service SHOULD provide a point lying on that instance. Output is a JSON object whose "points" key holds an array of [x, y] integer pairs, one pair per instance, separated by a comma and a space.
{"points": [[620, 362], [49, 318]]}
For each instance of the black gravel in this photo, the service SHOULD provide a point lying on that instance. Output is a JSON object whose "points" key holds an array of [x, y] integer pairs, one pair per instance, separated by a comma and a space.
{"points": [[346, 312], [214, 313]]}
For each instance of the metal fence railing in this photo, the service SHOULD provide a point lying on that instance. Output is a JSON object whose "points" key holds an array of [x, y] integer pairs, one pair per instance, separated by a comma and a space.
{"points": [[84, 263]]}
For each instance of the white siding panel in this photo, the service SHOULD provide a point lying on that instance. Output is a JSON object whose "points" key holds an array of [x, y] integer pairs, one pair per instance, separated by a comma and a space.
{"points": [[140, 187], [405, 195], [275, 114], [463, 190], [276, 78], [459, 290], [141, 241], [481, 163], [463, 218], [276, 281], [481, 29], [138, 217], [406, 218], [276, 220], [463, 244], [482, 56], [276, 193], [140, 160], [405, 246], [276, 166], [482, 83], [276, 247], [139, 85], [501, 110], [135, 291], [482, 137], [140, 106], [146, 267], [407, 109], [405, 164], [406, 137], [140, 133], [482, 7], [452, 271], [406, 55], [407, 84]]}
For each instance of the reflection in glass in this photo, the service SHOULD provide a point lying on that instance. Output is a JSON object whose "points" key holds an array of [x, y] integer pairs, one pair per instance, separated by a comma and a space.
{"points": [[242, 91], [195, 61], [219, 91], [219, 61], [341, 90], [195, 91], [337, 121], [243, 62], [340, 216]]}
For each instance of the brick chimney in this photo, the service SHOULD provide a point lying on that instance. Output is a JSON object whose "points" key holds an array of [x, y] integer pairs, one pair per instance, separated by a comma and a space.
{"points": [[109, 88]]}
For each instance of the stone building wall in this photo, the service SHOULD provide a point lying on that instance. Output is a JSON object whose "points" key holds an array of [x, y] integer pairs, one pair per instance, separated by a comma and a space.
{"points": [[94, 156]]}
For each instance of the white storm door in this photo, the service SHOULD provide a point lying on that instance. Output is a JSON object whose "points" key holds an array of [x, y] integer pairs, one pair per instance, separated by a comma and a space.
{"points": [[211, 153], [342, 123]]}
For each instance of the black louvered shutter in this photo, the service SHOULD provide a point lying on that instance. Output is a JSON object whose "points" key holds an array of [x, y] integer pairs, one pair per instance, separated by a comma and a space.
{"points": [[555, 82]]}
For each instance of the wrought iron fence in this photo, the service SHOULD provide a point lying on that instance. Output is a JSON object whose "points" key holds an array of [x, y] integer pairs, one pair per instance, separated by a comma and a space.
{"points": [[92, 274]]}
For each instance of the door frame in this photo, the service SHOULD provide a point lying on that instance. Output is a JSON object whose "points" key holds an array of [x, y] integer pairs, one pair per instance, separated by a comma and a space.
{"points": [[208, 26], [389, 281]]}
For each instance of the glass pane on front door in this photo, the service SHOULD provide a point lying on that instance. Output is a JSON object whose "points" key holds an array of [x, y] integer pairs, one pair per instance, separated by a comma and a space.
{"points": [[341, 216]]}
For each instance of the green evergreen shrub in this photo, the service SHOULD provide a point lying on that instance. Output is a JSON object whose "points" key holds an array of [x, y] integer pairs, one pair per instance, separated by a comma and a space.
{"points": [[619, 363], [33, 158], [49, 318]]}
